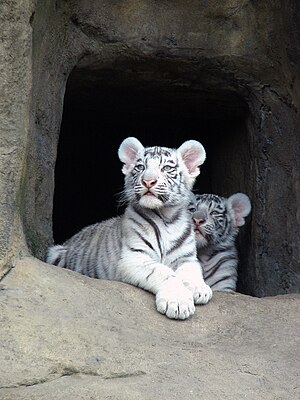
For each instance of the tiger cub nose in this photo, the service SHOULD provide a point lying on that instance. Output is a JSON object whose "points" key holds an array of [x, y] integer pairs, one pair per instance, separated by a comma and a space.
{"points": [[149, 182], [199, 221], [199, 218]]}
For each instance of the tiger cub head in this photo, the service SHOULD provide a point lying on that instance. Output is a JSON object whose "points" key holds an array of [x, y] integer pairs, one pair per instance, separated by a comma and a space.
{"points": [[217, 219], [158, 177]]}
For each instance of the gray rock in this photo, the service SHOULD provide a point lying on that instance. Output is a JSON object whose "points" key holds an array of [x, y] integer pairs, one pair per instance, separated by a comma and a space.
{"points": [[66, 336]]}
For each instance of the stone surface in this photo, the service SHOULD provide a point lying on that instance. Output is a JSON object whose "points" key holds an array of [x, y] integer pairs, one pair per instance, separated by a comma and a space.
{"points": [[15, 87], [66, 336]]}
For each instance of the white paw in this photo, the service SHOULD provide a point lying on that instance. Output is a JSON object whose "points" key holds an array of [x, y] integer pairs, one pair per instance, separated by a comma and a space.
{"points": [[202, 293], [176, 303]]}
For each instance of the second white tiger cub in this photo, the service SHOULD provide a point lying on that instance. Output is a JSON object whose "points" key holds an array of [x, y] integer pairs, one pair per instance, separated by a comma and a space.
{"points": [[152, 245], [216, 222]]}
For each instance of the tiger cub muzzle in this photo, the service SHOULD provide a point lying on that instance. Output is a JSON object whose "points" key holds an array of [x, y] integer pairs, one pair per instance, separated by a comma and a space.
{"points": [[200, 219]]}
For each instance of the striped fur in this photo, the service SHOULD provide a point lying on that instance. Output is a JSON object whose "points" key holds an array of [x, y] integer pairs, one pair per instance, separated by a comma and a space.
{"points": [[152, 245], [216, 222]]}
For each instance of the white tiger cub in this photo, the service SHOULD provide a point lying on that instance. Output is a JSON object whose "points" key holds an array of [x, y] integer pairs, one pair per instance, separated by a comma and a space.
{"points": [[152, 245], [216, 223]]}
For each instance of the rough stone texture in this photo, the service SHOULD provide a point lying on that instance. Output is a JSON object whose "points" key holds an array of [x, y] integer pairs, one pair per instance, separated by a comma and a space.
{"points": [[15, 86], [65, 336]]}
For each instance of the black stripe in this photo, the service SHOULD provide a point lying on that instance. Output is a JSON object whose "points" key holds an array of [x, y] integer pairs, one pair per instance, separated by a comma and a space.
{"points": [[148, 276], [213, 254], [144, 240], [221, 280], [183, 257], [136, 222], [218, 265], [171, 220], [96, 275], [56, 261], [106, 240], [154, 226], [137, 250], [179, 241], [98, 247], [85, 257], [89, 268]]}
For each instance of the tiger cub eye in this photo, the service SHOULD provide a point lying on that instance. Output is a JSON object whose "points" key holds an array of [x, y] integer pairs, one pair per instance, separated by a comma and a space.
{"points": [[139, 167]]}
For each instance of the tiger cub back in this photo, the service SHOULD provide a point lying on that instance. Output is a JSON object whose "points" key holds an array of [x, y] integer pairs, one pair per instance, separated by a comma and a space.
{"points": [[152, 244], [216, 224]]}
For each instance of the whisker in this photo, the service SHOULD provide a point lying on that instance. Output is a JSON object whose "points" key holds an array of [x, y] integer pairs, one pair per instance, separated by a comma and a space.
{"points": [[122, 197]]}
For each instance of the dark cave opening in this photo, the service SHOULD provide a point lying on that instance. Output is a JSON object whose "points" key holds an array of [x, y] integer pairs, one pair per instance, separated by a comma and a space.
{"points": [[101, 110]]}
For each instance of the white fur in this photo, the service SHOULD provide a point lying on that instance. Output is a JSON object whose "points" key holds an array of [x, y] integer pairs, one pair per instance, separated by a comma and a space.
{"points": [[128, 152], [193, 155], [176, 291], [241, 207], [151, 246], [54, 252]]}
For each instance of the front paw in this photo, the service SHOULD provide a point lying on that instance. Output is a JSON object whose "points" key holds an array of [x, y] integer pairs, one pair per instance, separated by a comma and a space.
{"points": [[202, 294], [176, 303]]}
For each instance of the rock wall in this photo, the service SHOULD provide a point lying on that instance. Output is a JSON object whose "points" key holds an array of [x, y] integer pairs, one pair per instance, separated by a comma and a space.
{"points": [[232, 59], [15, 89]]}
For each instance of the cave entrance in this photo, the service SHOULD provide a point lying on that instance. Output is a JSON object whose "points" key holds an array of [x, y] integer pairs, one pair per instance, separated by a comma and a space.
{"points": [[159, 107]]}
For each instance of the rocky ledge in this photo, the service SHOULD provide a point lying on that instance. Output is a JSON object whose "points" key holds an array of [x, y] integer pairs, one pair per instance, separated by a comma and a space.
{"points": [[66, 336]]}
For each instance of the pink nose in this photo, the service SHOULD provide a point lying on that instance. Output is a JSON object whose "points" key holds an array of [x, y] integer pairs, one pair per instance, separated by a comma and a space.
{"points": [[199, 221], [149, 182]]}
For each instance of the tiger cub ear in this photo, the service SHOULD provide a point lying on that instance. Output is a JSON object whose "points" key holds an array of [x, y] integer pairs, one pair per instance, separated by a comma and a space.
{"points": [[193, 155], [241, 206], [128, 152]]}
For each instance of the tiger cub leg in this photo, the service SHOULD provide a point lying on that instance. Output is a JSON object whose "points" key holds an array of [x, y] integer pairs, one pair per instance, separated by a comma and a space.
{"points": [[174, 299], [191, 275]]}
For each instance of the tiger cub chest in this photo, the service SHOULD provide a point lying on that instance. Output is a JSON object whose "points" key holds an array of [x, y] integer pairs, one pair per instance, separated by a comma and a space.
{"points": [[172, 238], [164, 238]]}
